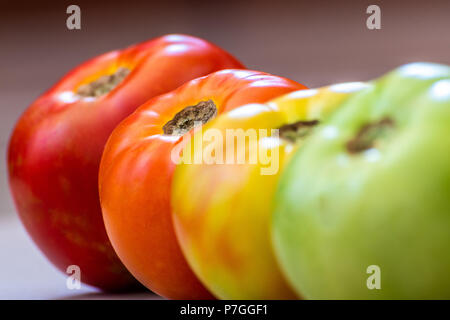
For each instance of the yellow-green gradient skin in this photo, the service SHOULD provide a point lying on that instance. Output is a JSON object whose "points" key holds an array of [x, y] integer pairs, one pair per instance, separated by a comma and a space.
{"points": [[338, 213], [222, 211]]}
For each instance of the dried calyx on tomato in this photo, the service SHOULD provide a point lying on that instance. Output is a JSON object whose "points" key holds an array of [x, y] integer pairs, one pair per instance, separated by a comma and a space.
{"points": [[104, 84], [190, 117]]}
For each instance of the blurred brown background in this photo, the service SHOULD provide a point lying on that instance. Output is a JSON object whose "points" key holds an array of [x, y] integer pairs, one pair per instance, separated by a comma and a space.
{"points": [[313, 42]]}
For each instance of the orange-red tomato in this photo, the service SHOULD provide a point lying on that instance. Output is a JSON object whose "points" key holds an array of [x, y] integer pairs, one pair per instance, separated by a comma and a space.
{"points": [[136, 173], [55, 149]]}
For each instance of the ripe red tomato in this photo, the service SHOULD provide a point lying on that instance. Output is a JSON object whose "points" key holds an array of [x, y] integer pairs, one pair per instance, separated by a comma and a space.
{"points": [[137, 167], [56, 146]]}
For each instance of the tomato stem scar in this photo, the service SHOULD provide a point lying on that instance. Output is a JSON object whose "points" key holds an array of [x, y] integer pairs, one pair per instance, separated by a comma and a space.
{"points": [[369, 134], [104, 84], [186, 119], [297, 130]]}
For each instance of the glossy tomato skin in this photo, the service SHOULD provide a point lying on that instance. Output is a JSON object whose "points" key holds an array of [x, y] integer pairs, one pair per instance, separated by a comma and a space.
{"points": [[223, 221], [372, 222], [136, 173], [56, 146]]}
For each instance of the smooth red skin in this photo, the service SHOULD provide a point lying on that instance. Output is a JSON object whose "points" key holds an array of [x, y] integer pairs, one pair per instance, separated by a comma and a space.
{"points": [[136, 174], [56, 147]]}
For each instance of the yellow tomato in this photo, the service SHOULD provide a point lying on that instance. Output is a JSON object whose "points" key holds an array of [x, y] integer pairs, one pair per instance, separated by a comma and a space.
{"points": [[223, 189]]}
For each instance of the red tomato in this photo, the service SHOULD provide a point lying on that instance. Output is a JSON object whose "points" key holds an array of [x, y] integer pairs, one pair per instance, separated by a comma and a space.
{"points": [[55, 149], [136, 173]]}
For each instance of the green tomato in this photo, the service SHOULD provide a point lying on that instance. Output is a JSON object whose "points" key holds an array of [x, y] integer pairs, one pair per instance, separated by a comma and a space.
{"points": [[363, 208]]}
